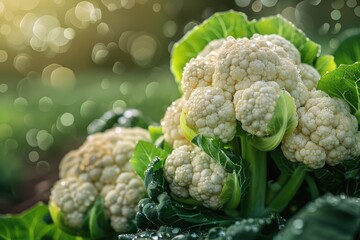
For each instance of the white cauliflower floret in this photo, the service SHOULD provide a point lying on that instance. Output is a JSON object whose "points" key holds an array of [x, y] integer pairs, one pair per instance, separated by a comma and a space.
{"points": [[326, 133], [209, 178], [291, 51], [94, 163], [103, 156], [212, 46], [255, 106], [171, 124], [309, 76], [243, 62], [73, 198], [121, 202], [300, 94], [178, 170], [211, 113], [198, 72], [191, 172]]}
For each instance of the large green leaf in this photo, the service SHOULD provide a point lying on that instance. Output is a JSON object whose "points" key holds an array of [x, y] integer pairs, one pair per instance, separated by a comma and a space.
{"points": [[329, 217], [34, 224], [144, 153], [344, 82], [231, 23], [348, 50]]}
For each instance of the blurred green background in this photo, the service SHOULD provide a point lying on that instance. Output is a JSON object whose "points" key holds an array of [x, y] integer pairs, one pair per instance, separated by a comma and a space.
{"points": [[64, 63]]}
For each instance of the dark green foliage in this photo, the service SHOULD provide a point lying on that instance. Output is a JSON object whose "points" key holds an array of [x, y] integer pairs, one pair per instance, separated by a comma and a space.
{"points": [[348, 50], [343, 178], [328, 217], [119, 118]]}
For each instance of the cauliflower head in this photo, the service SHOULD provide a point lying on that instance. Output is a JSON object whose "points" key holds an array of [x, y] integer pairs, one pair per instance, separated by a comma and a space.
{"points": [[122, 200], [192, 173], [326, 133], [100, 168]]}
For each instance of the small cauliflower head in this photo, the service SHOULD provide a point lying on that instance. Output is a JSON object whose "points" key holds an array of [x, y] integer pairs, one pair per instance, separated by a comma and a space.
{"points": [[171, 124], [211, 113], [121, 202], [73, 198], [192, 173], [255, 106], [100, 168], [326, 133]]}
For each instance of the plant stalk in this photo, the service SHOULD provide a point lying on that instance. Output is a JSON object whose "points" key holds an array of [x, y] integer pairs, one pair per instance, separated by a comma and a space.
{"points": [[278, 185], [288, 191], [255, 199]]}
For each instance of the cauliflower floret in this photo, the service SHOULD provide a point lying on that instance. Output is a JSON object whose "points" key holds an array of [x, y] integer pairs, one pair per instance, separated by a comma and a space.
{"points": [[178, 170], [171, 124], [326, 133], [103, 156], [95, 163], [300, 94], [73, 198], [292, 52], [309, 76], [191, 172], [209, 178], [212, 46], [211, 113], [198, 73], [255, 106], [121, 202], [243, 62]]}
